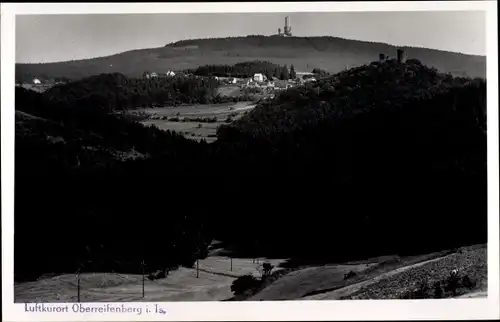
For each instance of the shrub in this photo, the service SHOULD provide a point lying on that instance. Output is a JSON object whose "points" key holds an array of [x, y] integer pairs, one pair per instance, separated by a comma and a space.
{"points": [[422, 290], [438, 290], [266, 269], [157, 275], [244, 283], [452, 284], [349, 275], [467, 282]]}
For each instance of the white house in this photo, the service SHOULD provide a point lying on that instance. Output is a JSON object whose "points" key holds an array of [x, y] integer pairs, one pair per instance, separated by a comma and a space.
{"points": [[36, 81], [154, 75], [258, 77], [170, 73]]}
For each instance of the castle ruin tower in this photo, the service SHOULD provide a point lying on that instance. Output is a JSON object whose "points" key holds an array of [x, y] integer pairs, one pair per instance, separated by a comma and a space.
{"points": [[288, 28], [401, 56]]}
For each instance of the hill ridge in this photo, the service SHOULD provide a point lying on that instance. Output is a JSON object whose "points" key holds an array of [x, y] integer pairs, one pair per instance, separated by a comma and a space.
{"points": [[332, 54], [368, 42]]}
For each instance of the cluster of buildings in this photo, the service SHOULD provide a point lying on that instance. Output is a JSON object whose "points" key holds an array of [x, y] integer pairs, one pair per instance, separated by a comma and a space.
{"points": [[155, 75], [260, 81]]}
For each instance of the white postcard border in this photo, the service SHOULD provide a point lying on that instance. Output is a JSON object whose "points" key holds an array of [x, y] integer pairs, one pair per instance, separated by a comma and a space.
{"points": [[289, 310]]}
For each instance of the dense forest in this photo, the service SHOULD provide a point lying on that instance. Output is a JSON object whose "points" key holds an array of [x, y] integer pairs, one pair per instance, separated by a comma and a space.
{"points": [[332, 54], [382, 158], [76, 194], [116, 92], [246, 70], [377, 159]]}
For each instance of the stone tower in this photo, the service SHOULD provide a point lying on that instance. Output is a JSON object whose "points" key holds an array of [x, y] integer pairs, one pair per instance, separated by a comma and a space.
{"points": [[401, 56]]}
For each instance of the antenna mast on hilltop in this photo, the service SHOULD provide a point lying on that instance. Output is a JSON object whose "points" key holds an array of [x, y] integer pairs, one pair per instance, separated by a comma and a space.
{"points": [[287, 31], [288, 27]]}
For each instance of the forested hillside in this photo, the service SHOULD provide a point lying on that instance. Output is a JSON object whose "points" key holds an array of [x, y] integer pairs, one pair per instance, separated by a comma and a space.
{"points": [[117, 92], [305, 53], [385, 158], [85, 183], [378, 159]]}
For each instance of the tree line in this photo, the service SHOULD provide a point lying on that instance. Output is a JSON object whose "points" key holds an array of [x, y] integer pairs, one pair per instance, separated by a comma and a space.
{"points": [[247, 70]]}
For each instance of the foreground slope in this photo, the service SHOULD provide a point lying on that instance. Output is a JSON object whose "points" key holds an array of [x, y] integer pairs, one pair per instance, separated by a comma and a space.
{"points": [[305, 53], [388, 277]]}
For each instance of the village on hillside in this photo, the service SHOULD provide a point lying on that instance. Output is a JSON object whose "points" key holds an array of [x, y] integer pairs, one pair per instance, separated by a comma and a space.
{"points": [[258, 81]]}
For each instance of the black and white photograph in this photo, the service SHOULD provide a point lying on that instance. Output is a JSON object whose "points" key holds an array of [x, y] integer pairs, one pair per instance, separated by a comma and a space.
{"points": [[250, 156]]}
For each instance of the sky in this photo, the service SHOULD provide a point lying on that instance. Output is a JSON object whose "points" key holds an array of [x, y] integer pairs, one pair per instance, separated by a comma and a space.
{"points": [[52, 38]]}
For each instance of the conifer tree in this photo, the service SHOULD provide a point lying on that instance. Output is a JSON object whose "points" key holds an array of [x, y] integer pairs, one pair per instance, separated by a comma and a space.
{"points": [[293, 74]]}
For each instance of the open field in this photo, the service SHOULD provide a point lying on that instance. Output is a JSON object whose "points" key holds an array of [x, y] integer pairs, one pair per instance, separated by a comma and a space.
{"points": [[162, 118], [40, 88], [213, 284], [230, 91]]}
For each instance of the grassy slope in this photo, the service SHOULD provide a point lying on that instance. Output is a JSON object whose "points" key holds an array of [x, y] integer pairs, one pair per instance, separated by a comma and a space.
{"points": [[305, 53], [387, 279]]}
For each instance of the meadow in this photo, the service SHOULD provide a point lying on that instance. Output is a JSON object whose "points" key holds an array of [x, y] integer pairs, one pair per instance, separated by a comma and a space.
{"points": [[183, 119]]}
